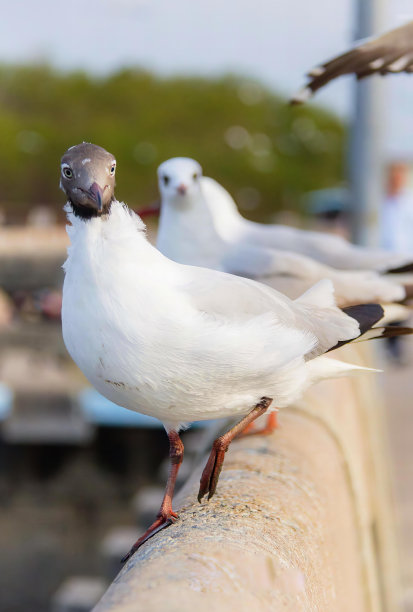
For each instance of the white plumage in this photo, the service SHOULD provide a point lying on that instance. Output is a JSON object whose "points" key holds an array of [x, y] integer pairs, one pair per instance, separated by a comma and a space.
{"points": [[202, 226], [332, 250], [178, 342], [182, 343]]}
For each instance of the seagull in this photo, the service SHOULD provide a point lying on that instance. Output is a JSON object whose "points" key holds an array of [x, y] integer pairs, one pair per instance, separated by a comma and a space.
{"points": [[184, 343], [389, 53], [329, 249], [200, 225]]}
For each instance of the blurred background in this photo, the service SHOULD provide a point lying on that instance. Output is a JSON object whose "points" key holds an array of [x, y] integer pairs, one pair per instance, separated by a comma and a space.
{"points": [[148, 80]]}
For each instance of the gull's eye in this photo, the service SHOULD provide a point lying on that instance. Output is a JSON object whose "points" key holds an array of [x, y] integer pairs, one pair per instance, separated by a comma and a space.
{"points": [[67, 172], [195, 176], [112, 169], [165, 179]]}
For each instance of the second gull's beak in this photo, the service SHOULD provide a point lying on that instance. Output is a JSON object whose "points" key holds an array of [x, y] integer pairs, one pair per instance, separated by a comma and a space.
{"points": [[182, 189]]}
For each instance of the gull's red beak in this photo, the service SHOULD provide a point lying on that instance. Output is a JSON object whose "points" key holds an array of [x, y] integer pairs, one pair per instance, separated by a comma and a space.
{"points": [[182, 189]]}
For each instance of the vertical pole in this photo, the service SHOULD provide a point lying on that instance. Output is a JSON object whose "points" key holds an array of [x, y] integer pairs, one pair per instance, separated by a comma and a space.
{"points": [[366, 158]]}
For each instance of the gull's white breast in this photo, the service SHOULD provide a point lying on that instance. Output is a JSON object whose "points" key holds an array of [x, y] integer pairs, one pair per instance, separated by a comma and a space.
{"points": [[143, 345]]}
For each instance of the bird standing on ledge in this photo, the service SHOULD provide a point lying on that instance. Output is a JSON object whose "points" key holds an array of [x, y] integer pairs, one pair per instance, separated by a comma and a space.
{"points": [[182, 343], [329, 249], [200, 225]]}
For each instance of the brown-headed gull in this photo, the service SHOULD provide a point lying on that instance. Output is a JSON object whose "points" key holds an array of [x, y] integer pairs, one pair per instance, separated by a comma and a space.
{"points": [[182, 343]]}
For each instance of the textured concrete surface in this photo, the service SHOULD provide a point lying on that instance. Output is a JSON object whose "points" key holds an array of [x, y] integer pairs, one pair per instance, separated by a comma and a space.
{"points": [[274, 537], [296, 524], [398, 387]]}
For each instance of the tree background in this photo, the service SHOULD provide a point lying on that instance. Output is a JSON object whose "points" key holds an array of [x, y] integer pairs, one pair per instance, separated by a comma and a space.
{"points": [[266, 153]]}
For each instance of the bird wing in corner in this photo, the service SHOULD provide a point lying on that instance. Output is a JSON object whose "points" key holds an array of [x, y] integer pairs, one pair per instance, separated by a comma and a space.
{"points": [[390, 52]]}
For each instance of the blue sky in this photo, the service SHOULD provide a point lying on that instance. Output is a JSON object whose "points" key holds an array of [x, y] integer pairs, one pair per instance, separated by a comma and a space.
{"points": [[273, 40]]}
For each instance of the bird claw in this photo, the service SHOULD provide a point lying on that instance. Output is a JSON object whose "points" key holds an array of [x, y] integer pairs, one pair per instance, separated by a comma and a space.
{"points": [[160, 523], [212, 470], [210, 475]]}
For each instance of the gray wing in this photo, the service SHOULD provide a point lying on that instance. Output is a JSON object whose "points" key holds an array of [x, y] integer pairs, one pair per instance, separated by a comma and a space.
{"points": [[392, 52], [263, 263], [235, 299]]}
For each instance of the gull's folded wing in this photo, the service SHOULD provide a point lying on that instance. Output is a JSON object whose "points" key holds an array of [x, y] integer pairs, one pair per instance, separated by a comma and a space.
{"points": [[228, 296], [237, 299]]}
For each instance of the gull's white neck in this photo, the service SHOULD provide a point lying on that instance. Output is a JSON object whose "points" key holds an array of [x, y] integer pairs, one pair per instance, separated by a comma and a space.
{"points": [[187, 233], [112, 240], [228, 221]]}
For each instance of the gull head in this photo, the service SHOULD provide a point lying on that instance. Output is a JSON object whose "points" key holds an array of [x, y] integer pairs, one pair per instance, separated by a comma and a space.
{"points": [[88, 179], [178, 180]]}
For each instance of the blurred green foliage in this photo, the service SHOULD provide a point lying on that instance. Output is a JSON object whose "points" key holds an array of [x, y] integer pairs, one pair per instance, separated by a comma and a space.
{"points": [[264, 151]]}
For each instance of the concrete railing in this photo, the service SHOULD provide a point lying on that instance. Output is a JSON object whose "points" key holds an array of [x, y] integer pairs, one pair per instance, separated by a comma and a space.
{"points": [[301, 519]]}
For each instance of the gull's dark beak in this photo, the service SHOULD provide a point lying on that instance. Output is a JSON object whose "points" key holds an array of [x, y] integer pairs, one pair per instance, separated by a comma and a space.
{"points": [[96, 192]]}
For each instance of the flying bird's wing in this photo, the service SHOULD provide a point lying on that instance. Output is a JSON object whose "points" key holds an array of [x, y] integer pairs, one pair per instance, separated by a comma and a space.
{"points": [[390, 52]]}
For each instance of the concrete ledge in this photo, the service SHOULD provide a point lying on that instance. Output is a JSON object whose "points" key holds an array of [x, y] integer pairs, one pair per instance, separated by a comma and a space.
{"points": [[296, 523]]}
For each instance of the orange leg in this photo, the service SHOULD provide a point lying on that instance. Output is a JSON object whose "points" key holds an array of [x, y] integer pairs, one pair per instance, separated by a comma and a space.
{"points": [[272, 423], [269, 427], [212, 470], [166, 515]]}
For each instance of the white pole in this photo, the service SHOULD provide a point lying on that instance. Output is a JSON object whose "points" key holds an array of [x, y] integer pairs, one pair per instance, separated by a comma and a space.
{"points": [[366, 157]]}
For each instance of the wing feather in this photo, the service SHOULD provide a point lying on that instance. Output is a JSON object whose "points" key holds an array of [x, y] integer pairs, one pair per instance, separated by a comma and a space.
{"points": [[389, 53]]}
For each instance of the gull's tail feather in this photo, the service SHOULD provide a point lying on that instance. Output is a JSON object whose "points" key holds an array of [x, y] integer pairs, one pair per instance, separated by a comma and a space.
{"points": [[395, 313], [401, 269], [322, 368], [387, 331], [328, 322], [335, 327], [367, 316]]}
